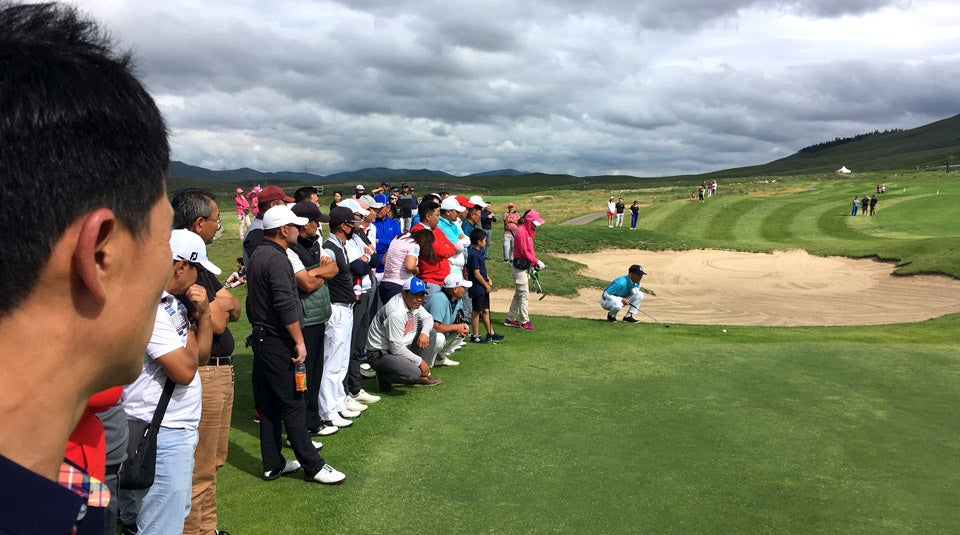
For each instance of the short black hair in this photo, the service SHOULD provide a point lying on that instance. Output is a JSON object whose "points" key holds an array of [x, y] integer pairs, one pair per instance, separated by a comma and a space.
{"points": [[426, 207], [304, 193], [189, 204], [476, 235], [78, 132]]}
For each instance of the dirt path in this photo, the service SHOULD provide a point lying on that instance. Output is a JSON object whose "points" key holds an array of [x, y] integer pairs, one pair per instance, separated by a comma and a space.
{"points": [[789, 288]]}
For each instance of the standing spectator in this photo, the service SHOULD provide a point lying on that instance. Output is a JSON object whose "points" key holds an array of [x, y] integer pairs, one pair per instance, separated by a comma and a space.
{"points": [[401, 334], [864, 204], [700, 191], [339, 330], [611, 212], [620, 209], [196, 210], [337, 197], [360, 191], [83, 154], [623, 291], [634, 215], [267, 198], [856, 204], [388, 229], [179, 343], [405, 207], [243, 212], [487, 219], [524, 260], [311, 270], [479, 292], [275, 314], [873, 204], [511, 221]]}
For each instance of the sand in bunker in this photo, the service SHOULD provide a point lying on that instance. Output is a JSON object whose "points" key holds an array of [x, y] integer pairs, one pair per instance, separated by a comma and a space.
{"points": [[786, 288]]}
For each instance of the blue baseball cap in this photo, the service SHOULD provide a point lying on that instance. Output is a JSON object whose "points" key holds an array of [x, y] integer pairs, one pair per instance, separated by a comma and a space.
{"points": [[414, 285]]}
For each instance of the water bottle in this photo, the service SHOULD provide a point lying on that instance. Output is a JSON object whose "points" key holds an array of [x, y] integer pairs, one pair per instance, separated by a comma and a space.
{"points": [[300, 377]]}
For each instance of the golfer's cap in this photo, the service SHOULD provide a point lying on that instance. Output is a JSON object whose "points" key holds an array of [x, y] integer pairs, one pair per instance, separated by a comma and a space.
{"points": [[370, 202], [450, 203], [414, 286], [278, 216], [189, 246], [478, 200], [239, 190], [310, 211], [637, 270], [361, 188], [454, 280], [272, 193], [353, 206], [464, 202], [511, 205]]}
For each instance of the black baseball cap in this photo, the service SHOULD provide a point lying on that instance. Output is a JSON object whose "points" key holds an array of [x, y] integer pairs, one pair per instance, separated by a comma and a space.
{"points": [[636, 270]]}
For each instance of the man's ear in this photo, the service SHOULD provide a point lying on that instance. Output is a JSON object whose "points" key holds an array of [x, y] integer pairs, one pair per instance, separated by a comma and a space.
{"points": [[90, 258]]}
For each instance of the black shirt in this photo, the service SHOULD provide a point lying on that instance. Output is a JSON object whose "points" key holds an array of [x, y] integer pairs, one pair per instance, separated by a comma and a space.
{"points": [[272, 298], [341, 286], [223, 344]]}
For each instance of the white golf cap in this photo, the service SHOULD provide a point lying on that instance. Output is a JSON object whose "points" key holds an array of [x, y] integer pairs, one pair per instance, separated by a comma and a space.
{"points": [[281, 215], [360, 187], [450, 203], [354, 206], [370, 202], [186, 245], [454, 280], [478, 200]]}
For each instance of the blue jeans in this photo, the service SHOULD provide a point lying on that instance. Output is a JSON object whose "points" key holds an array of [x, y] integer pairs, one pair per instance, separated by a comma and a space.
{"points": [[162, 508]]}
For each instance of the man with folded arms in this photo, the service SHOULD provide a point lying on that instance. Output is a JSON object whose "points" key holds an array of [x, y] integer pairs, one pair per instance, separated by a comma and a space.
{"points": [[275, 313], [401, 335]]}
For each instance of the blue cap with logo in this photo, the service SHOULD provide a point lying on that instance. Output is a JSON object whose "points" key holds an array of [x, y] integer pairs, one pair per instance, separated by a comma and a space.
{"points": [[414, 285]]}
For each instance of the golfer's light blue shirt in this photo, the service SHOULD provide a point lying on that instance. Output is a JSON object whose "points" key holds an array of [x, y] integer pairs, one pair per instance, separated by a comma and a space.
{"points": [[621, 286]]}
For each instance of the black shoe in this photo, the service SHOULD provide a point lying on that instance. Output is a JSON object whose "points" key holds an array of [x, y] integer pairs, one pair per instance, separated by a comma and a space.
{"points": [[630, 319], [128, 529], [612, 318]]}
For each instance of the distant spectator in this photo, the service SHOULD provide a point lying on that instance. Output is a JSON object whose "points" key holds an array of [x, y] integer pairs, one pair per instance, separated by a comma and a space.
{"points": [[620, 207], [873, 204], [243, 212], [634, 215], [337, 197], [511, 220], [611, 212]]}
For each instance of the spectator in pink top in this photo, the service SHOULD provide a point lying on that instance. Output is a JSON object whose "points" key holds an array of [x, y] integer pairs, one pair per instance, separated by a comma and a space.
{"points": [[243, 212]]}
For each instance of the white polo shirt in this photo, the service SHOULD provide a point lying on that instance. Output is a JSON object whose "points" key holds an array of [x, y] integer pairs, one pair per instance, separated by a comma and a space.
{"points": [[140, 397]]}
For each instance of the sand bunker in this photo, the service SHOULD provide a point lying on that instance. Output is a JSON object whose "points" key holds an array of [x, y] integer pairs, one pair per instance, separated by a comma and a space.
{"points": [[791, 288]]}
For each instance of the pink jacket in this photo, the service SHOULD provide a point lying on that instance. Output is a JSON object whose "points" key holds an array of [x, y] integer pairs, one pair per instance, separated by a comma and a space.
{"points": [[242, 205], [523, 237]]}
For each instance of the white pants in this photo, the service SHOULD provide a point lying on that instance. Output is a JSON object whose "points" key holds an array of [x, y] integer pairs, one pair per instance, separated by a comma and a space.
{"points": [[446, 344], [619, 222], [507, 246], [614, 303], [336, 359]]}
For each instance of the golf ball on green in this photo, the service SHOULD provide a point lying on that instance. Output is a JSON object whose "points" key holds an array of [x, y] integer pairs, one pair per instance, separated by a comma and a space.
{"points": [[724, 330]]}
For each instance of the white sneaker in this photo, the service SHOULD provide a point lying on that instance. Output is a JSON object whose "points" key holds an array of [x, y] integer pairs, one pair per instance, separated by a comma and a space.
{"points": [[446, 362], [339, 421], [291, 466], [324, 430], [354, 405], [347, 413], [316, 444], [364, 397], [461, 345], [328, 475], [368, 374]]}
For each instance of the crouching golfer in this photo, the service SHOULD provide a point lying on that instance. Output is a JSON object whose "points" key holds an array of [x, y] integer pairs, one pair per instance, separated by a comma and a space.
{"points": [[624, 291], [400, 333]]}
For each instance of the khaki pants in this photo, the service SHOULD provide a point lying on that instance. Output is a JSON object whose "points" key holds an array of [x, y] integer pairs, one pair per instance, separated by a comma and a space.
{"points": [[521, 296]]}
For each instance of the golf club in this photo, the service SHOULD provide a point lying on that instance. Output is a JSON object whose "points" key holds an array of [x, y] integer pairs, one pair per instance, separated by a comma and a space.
{"points": [[667, 325], [536, 278]]}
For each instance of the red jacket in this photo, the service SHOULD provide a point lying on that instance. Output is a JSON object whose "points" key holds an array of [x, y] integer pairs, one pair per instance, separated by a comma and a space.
{"points": [[435, 273]]}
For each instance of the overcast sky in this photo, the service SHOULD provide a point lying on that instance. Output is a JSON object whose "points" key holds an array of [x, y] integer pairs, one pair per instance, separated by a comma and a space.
{"points": [[586, 87]]}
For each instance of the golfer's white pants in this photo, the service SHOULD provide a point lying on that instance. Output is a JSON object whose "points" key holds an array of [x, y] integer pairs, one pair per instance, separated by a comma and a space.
{"points": [[521, 296], [336, 359], [619, 222], [613, 303], [446, 344]]}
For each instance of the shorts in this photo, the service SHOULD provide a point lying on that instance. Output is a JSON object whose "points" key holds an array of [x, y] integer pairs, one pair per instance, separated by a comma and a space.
{"points": [[481, 302]]}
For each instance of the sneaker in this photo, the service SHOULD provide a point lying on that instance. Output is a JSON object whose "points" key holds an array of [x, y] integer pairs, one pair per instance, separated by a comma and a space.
{"points": [[511, 323], [477, 339], [338, 421], [428, 381], [327, 475], [461, 345], [348, 413], [354, 405], [256, 416], [527, 326], [611, 317], [291, 466], [364, 397], [324, 430], [368, 374], [446, 362], [494, 337], [630, 319], [317, 445]]}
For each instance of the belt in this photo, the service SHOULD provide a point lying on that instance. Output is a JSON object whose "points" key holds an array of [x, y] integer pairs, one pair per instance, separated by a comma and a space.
{"points": [[342, 304], [220, 361]]}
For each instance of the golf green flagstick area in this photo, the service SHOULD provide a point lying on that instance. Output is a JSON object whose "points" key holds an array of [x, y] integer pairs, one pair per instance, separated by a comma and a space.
{"points": [[588, 426]]}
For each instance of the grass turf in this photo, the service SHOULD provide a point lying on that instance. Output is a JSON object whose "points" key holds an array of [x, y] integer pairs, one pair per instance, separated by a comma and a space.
{"points": [[587, 426]]}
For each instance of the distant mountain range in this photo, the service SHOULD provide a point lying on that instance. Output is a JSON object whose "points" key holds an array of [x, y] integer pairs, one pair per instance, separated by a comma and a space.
{"points": [[247, 175], [936, 145]]}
